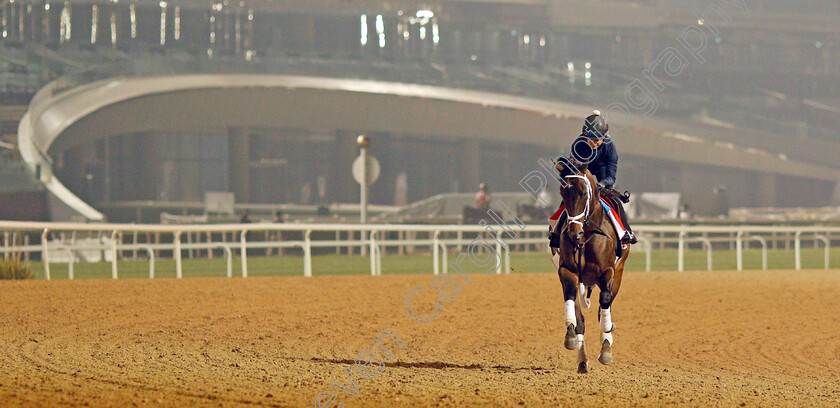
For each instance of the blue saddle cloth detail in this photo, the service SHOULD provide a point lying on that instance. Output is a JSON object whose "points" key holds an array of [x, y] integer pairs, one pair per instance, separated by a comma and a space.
{"points": [[604, 203]]}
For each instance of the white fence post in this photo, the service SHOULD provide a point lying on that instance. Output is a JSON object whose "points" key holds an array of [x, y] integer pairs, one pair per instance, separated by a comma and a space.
{"points": [[244, 248], [648, 252], [228, 258], [444, 257], [379, 257], [134, 245], [681, 252], [827, 248], [373, 262], [739, 250], [797, 249], [6, 244], [71, 260], [708, 244], [436, 252], [151, 261], [178, 267], [499, 253], [26, 244], [45, 255], [507, 257], [307, 253], [115, 235]]}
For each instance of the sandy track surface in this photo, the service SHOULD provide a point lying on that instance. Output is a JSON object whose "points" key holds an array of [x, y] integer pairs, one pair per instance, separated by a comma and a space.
{"points": [[695, 339]]}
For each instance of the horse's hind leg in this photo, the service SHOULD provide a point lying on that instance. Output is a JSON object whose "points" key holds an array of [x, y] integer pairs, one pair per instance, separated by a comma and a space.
{"points": [[605, 317], [583, 360]]}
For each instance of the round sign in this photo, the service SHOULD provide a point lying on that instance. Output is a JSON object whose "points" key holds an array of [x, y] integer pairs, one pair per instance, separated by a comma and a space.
{"points": [[372, 169]]}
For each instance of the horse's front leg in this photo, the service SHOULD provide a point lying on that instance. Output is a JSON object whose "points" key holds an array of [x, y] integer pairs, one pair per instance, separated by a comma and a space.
{"points": [[570, 287], [575, 325], [605, 317]]}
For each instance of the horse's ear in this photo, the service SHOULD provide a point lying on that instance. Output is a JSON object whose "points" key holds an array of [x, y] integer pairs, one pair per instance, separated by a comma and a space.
{"points": [[583, 167], [566, 167]]}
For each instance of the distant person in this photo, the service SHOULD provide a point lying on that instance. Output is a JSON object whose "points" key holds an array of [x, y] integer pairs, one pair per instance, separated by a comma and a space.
{"points": [[246, 219], [482, 198], [685, 212]]}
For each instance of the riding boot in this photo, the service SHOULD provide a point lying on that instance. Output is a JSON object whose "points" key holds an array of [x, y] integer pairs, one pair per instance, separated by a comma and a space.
{"points": [[629, 236], [554, 237]]}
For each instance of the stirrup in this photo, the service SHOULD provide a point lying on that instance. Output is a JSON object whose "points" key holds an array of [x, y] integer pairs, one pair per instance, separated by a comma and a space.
{"points": [[629, 238]]}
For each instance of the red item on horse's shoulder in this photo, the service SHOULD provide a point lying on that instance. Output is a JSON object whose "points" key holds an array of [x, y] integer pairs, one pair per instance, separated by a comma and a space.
{"points": [[559, 211]]}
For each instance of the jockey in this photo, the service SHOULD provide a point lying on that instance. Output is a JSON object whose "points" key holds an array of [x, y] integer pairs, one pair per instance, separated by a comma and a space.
{"points": [[595, 147]]}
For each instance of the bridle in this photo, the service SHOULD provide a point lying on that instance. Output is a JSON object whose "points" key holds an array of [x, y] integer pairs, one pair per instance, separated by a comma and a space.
{"points": [[583, 217]]}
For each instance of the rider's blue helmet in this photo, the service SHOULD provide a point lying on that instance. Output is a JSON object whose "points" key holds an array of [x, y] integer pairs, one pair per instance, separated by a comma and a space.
{"points": [[595, 126]]}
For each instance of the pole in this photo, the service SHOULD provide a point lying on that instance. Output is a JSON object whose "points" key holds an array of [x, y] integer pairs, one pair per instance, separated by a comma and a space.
{"points": [[45, 254], [364, 185], [178, 266], [363, 143]]}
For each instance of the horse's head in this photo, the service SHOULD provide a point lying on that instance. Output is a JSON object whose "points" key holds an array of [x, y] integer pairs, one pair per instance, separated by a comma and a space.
{"points": [[579, 192]]}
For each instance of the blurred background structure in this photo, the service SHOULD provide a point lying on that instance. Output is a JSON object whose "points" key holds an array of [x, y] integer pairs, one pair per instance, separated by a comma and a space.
{"points": [[130, 109]]}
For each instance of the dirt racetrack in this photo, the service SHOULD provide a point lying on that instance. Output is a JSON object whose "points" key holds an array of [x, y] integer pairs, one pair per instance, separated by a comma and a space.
{"points": [[695, 339]]}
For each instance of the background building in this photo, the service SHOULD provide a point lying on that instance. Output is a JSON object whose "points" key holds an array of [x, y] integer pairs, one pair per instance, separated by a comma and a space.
{"points": [[163, 101]]}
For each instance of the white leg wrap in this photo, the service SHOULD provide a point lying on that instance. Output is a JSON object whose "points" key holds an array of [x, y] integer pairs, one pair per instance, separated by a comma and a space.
{"points": [[570, 313], [606, 321]]}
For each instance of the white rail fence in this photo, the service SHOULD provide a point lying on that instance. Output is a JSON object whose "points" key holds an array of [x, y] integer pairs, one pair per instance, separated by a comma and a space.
{"points": [[110, 242]]}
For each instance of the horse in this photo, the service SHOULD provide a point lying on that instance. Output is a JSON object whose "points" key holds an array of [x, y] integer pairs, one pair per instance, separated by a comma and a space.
{"points": [[586, 257]]}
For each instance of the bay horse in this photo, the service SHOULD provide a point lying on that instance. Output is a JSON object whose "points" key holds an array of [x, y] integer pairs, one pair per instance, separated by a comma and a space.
{"points": [[586, 257]]}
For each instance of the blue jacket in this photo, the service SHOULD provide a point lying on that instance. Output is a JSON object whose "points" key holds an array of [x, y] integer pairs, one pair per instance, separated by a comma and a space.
{"points": [[605, 165]]}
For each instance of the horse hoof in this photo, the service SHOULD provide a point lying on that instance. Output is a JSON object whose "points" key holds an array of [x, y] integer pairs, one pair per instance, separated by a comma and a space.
{"points": [[571, 342], [606, 354], [605, 358], [583, 368]]}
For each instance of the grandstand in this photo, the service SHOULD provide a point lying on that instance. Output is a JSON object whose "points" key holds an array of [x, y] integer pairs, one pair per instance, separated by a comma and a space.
{"points": [[541, 63]]}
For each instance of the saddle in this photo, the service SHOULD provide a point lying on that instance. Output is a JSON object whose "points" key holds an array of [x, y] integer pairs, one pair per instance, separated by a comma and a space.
{"points": [[614, 195]]}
